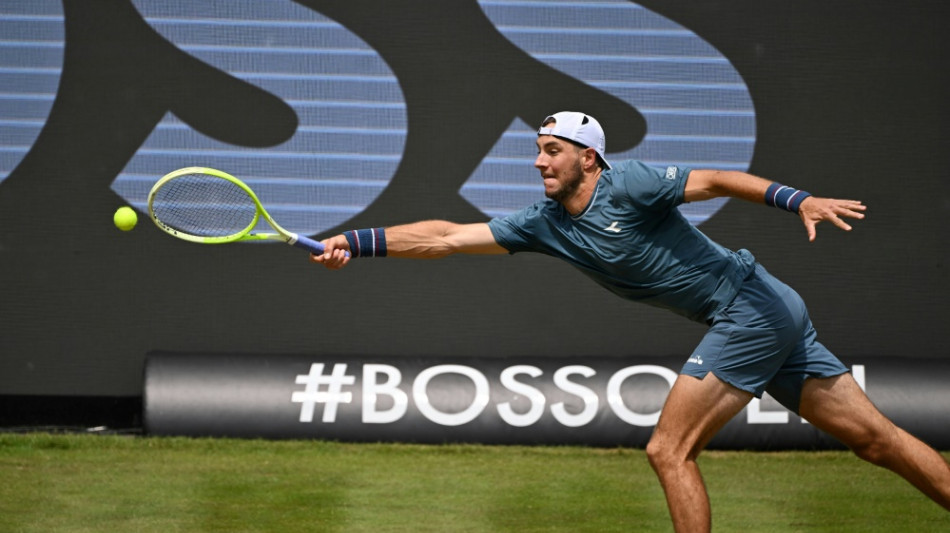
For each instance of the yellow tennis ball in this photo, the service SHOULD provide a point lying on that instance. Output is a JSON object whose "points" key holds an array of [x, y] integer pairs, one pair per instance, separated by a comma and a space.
{"points": [[125, 218]]}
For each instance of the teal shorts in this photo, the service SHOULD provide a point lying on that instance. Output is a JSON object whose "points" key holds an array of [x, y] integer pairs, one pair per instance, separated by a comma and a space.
{"points": [[764, 342]]}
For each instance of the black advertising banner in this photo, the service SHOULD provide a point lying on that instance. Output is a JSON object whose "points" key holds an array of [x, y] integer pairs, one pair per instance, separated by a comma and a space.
{"points": [[597, 401], [357, 114]]}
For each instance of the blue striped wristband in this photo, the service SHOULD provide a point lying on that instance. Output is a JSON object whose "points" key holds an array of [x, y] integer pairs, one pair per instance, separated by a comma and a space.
{"points": [[783, 197], [367, 242]]}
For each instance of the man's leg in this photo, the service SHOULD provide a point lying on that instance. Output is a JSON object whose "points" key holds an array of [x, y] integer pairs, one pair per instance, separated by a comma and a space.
{"points": [[839, 407], [694, 412]]}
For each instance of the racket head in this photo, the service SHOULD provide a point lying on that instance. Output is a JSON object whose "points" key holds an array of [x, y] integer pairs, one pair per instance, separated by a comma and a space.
{"points": [[203, 205]]}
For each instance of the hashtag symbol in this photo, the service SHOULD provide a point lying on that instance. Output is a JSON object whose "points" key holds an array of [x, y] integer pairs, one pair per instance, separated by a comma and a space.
{"points": [[311, 395]]}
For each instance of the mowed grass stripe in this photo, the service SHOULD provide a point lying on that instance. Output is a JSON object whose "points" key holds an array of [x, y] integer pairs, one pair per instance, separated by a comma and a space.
{"points": [[78, 483]]}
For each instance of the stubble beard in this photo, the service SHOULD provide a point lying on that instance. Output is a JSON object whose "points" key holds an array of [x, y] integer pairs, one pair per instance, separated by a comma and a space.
{"points": [[569, 186]]}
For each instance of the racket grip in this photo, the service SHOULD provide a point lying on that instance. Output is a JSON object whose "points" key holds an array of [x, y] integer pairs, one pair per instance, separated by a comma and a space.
{"points": [[309, 244]]}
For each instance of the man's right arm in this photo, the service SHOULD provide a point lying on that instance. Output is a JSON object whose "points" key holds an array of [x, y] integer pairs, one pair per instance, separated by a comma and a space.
{"points": [[430, 239]]}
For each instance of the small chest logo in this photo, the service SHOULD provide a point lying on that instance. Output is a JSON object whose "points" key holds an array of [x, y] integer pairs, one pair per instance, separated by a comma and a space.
{"points": [[613, 227]]}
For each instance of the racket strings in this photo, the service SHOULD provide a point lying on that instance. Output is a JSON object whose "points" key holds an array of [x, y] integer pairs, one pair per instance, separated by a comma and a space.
{"points": [[204, 206]]}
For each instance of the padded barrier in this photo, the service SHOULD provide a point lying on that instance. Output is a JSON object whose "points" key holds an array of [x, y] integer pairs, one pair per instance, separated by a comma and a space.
{"points": [[584, 400]]}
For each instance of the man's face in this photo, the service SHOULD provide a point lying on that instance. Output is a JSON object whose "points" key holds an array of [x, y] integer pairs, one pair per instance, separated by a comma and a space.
{"points": [[559, 162]]}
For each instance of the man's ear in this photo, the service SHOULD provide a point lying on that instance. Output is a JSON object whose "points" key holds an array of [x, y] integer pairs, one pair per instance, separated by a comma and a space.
{"points": [[590, 159]]}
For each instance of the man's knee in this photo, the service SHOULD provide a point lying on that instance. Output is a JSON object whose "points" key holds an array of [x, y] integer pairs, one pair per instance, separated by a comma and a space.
{"points": [[654, 451], [876, 446], [664, 454]]}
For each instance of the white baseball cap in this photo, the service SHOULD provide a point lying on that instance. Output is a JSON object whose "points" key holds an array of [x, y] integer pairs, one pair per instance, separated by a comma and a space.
{"points": [[578, 128]]}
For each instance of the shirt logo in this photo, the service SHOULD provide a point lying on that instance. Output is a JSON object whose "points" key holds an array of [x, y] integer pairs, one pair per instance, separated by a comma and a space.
{"points": [[613, 227], [696, 359], [671, 173]]}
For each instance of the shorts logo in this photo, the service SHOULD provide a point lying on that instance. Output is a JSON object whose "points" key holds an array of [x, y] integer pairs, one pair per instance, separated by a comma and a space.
{"points": [[697, 359], [671, 173]]}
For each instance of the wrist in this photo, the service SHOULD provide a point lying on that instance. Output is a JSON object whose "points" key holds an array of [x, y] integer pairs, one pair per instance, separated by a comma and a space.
{"points": [[369, 242], [785, 197]]}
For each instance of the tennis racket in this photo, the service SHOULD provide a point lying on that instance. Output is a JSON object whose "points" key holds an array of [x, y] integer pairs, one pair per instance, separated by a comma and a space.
{"points": [[209, 206]]}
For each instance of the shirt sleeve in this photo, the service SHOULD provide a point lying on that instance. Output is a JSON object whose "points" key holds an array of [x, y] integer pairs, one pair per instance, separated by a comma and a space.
{"points": [[655, 188], [516, 231]]}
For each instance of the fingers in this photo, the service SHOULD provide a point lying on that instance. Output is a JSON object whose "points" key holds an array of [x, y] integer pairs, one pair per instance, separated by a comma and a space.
{"points": [[849, 208], [332, 259], [334, 255], [832, 210], [840, 223], [845, 208]]}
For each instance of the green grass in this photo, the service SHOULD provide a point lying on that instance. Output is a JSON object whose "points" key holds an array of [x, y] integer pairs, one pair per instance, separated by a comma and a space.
{"points": [[78, 483]]}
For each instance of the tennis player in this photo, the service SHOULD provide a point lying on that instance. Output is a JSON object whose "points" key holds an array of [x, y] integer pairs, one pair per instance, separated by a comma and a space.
{"points": [[618, 224]]}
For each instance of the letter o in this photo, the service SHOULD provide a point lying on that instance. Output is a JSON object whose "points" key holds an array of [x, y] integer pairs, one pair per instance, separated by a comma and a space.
{"points": [[421, 396], [615, 400]]}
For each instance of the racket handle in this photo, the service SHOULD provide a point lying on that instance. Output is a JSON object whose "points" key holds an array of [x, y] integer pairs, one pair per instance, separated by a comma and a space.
{"points": [[309, 244]]}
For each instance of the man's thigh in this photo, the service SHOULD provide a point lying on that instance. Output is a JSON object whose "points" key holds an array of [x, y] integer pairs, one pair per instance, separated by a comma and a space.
{"points": [[695, 410], [838, 406]]}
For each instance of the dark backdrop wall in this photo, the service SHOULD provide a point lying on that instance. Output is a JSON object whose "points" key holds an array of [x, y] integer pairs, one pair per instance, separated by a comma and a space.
{"points": [[849, 100]]}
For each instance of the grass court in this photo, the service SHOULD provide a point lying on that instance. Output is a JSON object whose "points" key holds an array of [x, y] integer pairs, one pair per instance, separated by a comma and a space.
{"points": [[94, 483]]}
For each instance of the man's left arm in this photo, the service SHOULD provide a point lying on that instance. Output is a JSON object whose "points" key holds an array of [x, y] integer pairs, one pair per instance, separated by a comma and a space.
{"points": [[708, 184]]}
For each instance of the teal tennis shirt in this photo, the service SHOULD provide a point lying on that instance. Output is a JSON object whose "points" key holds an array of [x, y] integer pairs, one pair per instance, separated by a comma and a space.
{"points": [[632, 240]]}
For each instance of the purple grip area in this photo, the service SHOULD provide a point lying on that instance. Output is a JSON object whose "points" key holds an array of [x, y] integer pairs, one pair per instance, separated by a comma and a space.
{"points": [[309, 244]]}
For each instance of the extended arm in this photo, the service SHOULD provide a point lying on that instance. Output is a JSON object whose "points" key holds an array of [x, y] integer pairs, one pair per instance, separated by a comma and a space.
{"points": [[430, 239], [707, 184]]}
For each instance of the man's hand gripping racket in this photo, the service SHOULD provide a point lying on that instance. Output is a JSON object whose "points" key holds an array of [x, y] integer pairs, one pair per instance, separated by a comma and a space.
{"points": [[208, 206], [335, 255]]}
